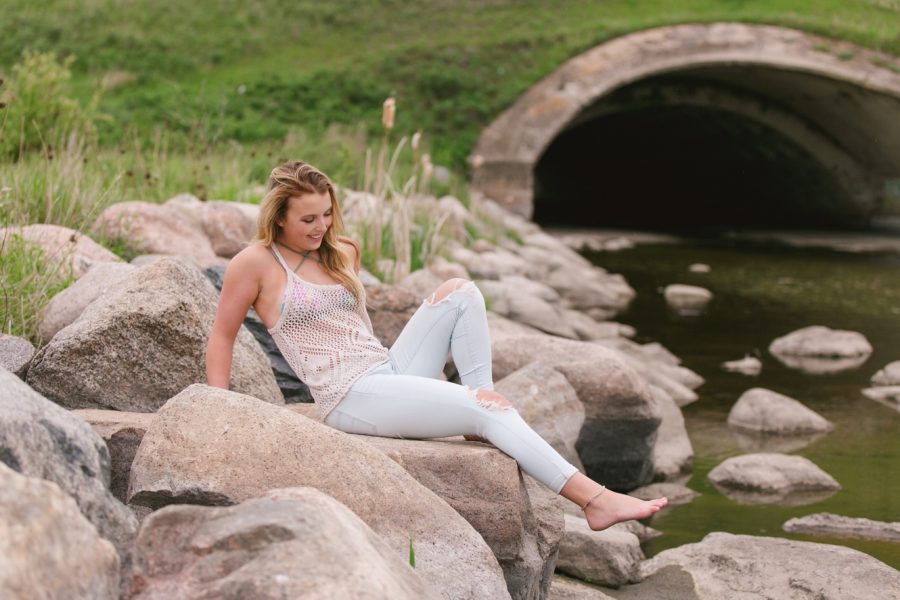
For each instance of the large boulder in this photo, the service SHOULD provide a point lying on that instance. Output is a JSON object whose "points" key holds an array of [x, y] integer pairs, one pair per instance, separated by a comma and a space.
{"points": [[40, 439], [771, 478], [820, 350], [654, 363], [763, 410], [229, 226], [73, 252], [212, 446], [15, 354], [621, 416], [673, 453], [611, 557], [742, 567], [150, 228], [518, 303], [144, 342], [486, 488], [390, 309], [290, 543], [841, 526], [67, 305], [49, 549], [548, 403]]}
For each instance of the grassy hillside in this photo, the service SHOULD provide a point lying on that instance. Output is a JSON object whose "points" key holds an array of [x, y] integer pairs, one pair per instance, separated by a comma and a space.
{"points": [[249, 71]]}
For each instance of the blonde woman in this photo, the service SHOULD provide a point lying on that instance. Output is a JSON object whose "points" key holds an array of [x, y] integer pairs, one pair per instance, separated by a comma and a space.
{"points": [[301, 277]]}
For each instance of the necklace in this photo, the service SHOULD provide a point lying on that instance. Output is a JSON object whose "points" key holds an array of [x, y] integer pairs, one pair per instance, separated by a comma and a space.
{"points": [[303, 254]]}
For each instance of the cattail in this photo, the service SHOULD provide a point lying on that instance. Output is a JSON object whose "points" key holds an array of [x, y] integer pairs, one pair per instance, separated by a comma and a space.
{"points": [[387, 113], [427, 167], [416, 138]]}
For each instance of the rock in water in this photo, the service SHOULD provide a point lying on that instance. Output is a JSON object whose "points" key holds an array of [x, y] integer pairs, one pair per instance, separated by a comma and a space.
{"points": [[739, 567], [772, 479], [763, 410], [820, 350]]}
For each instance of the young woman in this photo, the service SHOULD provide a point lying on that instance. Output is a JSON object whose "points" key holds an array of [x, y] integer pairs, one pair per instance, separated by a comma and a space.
{"points": [[301, 277]]}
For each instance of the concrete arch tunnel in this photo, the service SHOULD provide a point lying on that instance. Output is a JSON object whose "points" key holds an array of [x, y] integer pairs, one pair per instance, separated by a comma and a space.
{"points": [[694, 126]]}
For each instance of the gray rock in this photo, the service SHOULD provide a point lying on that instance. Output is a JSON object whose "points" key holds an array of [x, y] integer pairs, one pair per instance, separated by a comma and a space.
{"points": [[654, 366], [40, 439], [699, 268], [143, 343], [390, 309], [888, 395], [762, 410], [215, 447], [888, 375], [15, 354], [67, 305], [743, 567], [819, 350], [840, 526], [74, 252], [621, 417], [122, 431], [290, 543], [548, 403], [610, 557], [586, 328], [228, 226], [676, 493], [564, 588], [49, 549], [673, 454], [156, 229], [772, 479], [687, 299], [749, 365]]}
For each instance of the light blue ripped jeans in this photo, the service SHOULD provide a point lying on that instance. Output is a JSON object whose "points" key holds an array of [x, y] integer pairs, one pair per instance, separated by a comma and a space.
{"points": [[403, 398]]}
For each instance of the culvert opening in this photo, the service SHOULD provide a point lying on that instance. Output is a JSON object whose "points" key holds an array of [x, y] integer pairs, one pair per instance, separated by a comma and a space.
{"points": [[678, 168]]}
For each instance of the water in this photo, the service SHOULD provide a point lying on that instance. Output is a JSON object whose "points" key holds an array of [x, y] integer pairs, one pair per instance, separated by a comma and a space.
{"points": [[762, 292]]}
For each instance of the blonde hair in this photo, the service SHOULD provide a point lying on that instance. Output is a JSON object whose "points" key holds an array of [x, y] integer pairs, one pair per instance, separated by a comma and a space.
{"points": [[295, 178]]}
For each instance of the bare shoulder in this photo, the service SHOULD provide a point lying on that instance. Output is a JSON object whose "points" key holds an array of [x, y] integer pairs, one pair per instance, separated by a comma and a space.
{"points": [[253, 259], [352, 248]]}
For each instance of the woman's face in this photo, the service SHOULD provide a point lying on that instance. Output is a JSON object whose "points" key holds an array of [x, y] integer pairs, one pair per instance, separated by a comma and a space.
{"points": [[305, 221]]}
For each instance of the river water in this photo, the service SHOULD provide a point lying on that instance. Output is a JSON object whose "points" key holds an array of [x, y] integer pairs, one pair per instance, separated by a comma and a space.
{"points": [[763, 291]]}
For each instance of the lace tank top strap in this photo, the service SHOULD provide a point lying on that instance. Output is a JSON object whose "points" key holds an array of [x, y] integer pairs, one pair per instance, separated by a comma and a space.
{"points": [[279, 258]]}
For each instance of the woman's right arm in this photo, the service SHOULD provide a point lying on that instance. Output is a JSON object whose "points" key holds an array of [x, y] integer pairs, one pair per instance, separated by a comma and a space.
{"points": [[240, 289]]}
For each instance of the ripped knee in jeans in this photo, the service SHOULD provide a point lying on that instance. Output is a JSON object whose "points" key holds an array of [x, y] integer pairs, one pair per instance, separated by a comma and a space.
{"points": [[447, 288], [491, 400]]}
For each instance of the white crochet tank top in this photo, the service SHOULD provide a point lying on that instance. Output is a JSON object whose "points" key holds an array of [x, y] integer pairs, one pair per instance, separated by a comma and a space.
{"points": [[326, 336]]}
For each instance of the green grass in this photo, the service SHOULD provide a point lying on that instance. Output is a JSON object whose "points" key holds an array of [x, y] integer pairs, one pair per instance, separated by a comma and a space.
{"points": [[251, 71]]}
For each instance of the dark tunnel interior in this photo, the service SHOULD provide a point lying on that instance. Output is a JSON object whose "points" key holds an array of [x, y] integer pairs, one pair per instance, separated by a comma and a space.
{"points": [[684, 168]]}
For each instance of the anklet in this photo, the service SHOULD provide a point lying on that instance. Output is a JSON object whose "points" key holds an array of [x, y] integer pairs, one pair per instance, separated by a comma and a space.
{"points": [[594, 497]]}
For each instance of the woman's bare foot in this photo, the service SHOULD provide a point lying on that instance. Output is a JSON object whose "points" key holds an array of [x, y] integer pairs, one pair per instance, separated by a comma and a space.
{"points": [[612, 507]]}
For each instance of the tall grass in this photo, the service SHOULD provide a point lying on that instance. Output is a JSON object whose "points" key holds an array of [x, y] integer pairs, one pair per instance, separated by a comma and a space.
{"points": [[28, 279]]}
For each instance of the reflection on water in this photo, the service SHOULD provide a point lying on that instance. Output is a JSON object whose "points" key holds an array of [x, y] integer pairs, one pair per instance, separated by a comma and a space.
{"points": [[761, 293]]}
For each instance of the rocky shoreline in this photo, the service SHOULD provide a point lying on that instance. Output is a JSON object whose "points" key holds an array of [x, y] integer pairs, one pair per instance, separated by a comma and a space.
{"points": [[182, 490]]}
